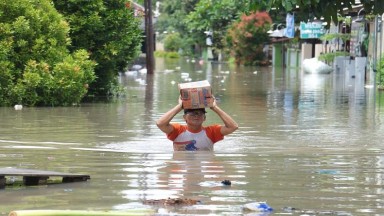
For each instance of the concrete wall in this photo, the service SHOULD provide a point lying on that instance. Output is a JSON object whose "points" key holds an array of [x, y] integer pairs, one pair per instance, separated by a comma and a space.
{"points": [[319, 48], [306, 51]]}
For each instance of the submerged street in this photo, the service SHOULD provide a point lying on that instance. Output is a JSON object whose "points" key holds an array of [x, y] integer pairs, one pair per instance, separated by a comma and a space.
{"points": [[312, 142]]}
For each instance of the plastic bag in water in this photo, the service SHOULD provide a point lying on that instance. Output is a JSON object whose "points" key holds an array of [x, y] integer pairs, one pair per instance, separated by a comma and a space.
{"points": [[258, 206]]}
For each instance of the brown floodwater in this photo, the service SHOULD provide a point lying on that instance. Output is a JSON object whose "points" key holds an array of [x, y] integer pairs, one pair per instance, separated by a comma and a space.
{"points": [[307, 144]]}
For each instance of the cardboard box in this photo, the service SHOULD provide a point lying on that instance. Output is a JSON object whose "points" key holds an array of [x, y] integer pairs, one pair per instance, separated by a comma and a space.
{"points": [[196, 95]]}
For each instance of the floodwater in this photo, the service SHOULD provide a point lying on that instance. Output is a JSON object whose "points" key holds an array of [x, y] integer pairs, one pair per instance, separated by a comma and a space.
{"points": [[307, 145]]}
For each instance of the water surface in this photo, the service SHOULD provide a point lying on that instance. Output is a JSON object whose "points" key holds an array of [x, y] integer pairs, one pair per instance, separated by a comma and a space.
{"points": [[309, 142]]}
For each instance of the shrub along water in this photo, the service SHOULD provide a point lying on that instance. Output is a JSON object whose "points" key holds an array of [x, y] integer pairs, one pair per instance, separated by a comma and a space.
{"points": [[380, 74], [36, 66], [246, 37], [109, 31]]}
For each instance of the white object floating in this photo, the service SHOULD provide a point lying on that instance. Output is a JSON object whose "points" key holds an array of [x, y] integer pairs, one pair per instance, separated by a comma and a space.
{"points": [[18, 107], [169, 70], [137, 67], [143, 71], [140, 81], [131, 73], [184, 75], [314, 66], [258, 206]]}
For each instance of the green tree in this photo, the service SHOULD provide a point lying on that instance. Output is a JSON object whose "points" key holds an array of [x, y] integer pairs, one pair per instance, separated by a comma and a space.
{"points": [[215, 16], [246, 37], [172, 42], [173, 13], [172, 20], [308, 9], [109, 31], [35, 63], [380, 74]]}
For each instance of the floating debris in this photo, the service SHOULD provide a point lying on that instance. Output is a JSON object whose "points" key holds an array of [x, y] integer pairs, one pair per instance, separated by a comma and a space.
{"points": [[135, 212], [226, 182], [291, 210], [329, 172], [136, 67], [18, 107], [32, 177], [169, 71], [184, 75], [258, 206], [172, 202], [143, 71]]}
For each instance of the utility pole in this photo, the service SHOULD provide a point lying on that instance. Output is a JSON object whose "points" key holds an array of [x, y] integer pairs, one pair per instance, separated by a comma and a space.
{"points": [[149, 36]]}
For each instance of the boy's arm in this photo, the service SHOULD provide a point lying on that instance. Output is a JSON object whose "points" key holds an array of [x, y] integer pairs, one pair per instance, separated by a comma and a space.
{"points": [[163, 123], [229, 124]]}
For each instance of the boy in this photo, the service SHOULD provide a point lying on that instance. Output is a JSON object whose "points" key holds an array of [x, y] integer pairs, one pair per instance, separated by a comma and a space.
{"points": [[194, 136]]}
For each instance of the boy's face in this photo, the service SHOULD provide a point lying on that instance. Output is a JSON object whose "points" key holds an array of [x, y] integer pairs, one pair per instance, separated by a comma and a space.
{"points": [[196, 117]]}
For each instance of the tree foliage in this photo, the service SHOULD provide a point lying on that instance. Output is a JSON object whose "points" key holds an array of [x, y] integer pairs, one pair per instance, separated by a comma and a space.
{"points": [[106, 29], [380, 74], [172, 42], [245, 38], [215, 16], [173, 13], [172, 20], [308, 9], [36, 66]]}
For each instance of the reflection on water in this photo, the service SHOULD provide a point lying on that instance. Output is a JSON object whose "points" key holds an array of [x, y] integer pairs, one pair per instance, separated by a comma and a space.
{"points": [[306, 141]]}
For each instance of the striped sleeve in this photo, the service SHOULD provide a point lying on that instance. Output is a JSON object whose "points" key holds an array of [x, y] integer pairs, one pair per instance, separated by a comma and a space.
{"points": [[214, 133], [177, 130]]}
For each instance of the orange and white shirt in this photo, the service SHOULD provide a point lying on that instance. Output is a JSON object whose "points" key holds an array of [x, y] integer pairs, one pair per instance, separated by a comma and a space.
{"points": [[203, 140]]}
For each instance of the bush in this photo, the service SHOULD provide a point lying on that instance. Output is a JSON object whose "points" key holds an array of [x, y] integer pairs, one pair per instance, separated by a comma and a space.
{"points": [[380, 74], [37, 68], [172, 42], [109, 31], [245, 38], [166, 54], [172, 55]]}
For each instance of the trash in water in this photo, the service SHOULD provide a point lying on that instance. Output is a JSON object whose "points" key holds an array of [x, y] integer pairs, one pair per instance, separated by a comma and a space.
{"points": [[226, 182], [290, 209], [258, 206], [329, 172]]}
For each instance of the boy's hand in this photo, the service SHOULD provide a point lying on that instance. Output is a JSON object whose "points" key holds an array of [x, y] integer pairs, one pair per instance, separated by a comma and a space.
{"points": [[180, 102], [214, 104]]}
